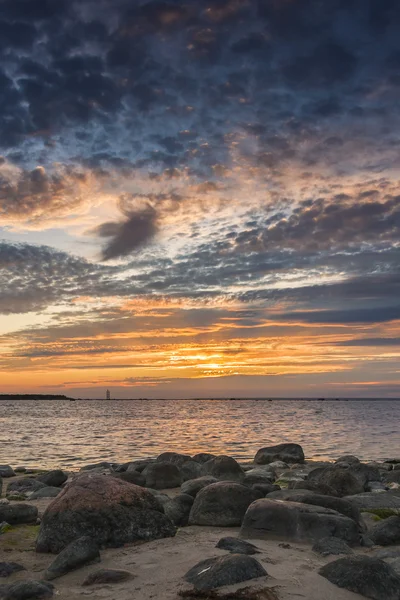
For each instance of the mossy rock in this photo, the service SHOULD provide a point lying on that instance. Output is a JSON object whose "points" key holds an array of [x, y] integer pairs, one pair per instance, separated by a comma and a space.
{"points": [[283, 483], [383, 513], [20, 537]]}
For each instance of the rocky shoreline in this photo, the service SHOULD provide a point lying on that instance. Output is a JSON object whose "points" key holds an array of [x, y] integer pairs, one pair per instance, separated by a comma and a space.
{"points": [[238, 523]]}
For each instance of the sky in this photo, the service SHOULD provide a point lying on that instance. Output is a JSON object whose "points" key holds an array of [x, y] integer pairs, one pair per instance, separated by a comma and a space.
{"points": [[200, 198]]}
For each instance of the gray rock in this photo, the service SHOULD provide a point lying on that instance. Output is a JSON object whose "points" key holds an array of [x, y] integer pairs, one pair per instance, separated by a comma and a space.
{"points": [[293, 521], [392, 476], [225, 570], [102, 576], [18, 514], [139, 465], [363, 575], [224, 468], [53, 478], [46, 492], [162, 475], [265, 488], [193, 486], [341, 505], [78, 553], [375, 486], [131, 477], [6, 471], [23, 487], [8, 568], [288, 453], [386, 532], [279, 465], [191, 470], [373, 501], [258, 476], [348, 459], [29, 590], [342, 481], [386, 553], [178, 509], [203, 457], [174, 458], [100, 465], [237, 546], [222, 504], [331, 545]]}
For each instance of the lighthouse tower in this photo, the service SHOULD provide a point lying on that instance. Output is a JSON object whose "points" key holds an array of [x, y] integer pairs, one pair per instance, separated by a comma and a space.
{"points": [[108, 395]]}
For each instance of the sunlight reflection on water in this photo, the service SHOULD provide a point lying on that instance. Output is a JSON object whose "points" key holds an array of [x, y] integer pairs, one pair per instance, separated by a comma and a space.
{"points": [[60, 433]]}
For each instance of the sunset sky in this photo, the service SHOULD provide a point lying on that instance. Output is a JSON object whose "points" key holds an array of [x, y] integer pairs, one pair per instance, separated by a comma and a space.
{"points": [[200, 198]]}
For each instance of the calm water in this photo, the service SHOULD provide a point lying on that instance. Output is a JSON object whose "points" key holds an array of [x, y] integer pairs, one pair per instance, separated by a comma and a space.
{"points": [[69, 434]]}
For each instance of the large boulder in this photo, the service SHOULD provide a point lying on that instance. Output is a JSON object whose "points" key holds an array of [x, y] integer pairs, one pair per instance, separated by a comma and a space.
{"points": [[6, 471], [288, 453], [225, 570], [18, 514], [222, 504], [392, 476], [331, 545], [374, 501], [341, 505], [203, 457], [297, 522], [162, 475], [46, 492], [370, 577], [259, 475], [107, 509], [131, 477], [224, 468], [178, 509], [78, 553], [24, 487], [386, 532], [8, 568], [53, 478], [191, 470], [174, 458], [341, 481], [28, 589], [193, 486]]}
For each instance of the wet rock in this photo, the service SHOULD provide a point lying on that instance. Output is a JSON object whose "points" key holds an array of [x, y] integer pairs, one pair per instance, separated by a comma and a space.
{"points": [[100, 465], [203, 457], [293, 521], [29, 590], [107, 509], [54, 478], [259, 476], [225, 570], [386, 532], [6, 471], [174, 458], [102, 576], [191, 470], [78, 553], [237, 546], [162, 475], [373, 501], [288, 453], [339, 504], [24, 487], [224, 468], [178, 509], [342, 481], [222, 504], [193, 486], [331, 545], [8, 568], [46, 492], [363, 575], [18, 514], [131, 477]]}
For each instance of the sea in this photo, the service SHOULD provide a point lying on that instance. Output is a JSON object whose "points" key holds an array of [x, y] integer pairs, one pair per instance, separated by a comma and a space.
{"points": [[61, 433]]}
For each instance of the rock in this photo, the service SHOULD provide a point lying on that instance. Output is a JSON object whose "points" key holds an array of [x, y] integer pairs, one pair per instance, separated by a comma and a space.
{"points": [[373, 501], [386, 553], [225, 570], [193, 486], [265, 488], [131, 477], [20, 469], [174, 458], [222, 504], [102, 576], [258, 476], [139, 465], [46, 492], [386, 532], [107, 509], [224, 468], [392, 476], [288, 453], [78, 553], [8, 568], [331, 545], [203, 457], [178, 509], [191, 470], [100, 465], [29, 590], [162, 498], [162, 475], [348, 459], [4, 527], [375, 486], [24, 486], [363, 575], [18, 514], [279, 465], [1, 486], [342, 481], [339, 504], [237, 546], [295, 521], [53, 478], [6, 471]]}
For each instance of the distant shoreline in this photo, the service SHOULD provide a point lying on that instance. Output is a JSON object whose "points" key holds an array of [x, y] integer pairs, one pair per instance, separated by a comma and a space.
{"points": [[34, 397], [210, 399]]}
